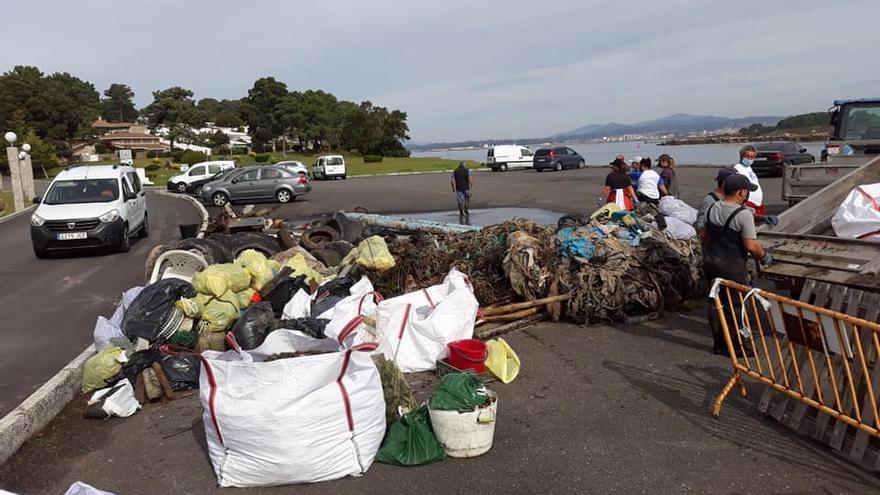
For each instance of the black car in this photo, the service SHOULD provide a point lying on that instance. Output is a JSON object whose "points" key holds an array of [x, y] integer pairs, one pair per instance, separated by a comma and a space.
{"points": [[557, 158], [772, 157]]}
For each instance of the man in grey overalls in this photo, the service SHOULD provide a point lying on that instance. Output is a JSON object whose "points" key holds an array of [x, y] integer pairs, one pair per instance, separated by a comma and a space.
{"points": [[730, 238]]}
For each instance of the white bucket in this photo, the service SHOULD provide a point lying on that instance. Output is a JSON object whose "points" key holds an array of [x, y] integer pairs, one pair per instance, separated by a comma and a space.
{"points": [[467, 434]]}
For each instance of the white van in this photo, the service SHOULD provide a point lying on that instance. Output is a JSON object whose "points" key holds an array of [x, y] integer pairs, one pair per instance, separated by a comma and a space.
{"points": [[329, 167], [508, 157], [90, 207], [182, 183]]}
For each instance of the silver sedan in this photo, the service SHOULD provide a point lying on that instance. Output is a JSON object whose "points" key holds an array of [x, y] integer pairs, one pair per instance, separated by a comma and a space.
{"points": [[256, 183]]}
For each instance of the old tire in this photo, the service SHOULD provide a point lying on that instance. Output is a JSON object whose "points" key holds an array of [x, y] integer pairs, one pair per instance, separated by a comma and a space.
{"points": [[316, 238], [288, 240]]}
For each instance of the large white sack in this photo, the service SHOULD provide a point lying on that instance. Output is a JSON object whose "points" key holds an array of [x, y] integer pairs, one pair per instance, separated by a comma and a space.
{"points": [[414, 329], [678, 229], [295, 420], [111, 329], [858, 217], [674, 207]]}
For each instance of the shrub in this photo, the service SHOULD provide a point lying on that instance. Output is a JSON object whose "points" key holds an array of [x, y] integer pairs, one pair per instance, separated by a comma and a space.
{"points": [[223, 151], [152, 154], [262, 158], [100, 148], [191, 157], [176, 155], [156, 160], [153, 166], [252, 154], [373, 158], [236, 158]]}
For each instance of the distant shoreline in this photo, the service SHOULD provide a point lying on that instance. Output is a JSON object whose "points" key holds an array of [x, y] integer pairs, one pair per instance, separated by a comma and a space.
{"points": [[736, 138]]}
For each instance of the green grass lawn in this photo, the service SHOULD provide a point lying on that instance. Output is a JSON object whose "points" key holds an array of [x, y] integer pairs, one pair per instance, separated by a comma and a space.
{"points": [[9, 204], [355, 165]]}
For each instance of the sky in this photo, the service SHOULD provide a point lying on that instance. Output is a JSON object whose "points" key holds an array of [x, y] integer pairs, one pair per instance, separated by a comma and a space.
{"points": [[471, 69]]}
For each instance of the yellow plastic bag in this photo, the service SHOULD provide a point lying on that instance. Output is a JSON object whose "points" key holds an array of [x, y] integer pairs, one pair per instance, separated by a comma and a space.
{"points": [[219, 314], [244, 298], [191, 307], [260, 268], [300, 266], [371, 253], [100, 367], [502, 361], [609, 208], [217, 279]]}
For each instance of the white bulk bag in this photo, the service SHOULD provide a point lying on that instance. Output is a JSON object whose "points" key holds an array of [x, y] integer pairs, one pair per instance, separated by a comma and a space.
{"points": [[294, 420], [680, 230], [858, 217], [674, 207], [414, 329]]}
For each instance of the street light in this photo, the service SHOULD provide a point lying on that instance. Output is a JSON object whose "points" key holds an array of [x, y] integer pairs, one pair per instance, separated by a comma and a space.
{"points": [[10, 137], [26, 147], [22, 155]]}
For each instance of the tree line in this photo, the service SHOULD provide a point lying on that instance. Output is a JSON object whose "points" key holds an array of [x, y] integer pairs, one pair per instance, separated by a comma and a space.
{"points": [[51, 111], [793, 123]]}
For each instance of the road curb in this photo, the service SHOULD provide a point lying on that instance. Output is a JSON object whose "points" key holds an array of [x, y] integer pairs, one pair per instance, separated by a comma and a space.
{"points": [[41, 407], [38, 410], [394, 174], [16, 214], [198, 204]]}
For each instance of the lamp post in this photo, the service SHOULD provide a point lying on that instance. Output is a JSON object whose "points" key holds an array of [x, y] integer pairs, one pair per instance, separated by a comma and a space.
{"points": [[12, 156], [27, 173]]}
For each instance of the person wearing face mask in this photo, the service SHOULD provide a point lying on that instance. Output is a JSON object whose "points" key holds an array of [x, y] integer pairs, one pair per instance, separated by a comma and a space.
{"points": [[730, 238]]}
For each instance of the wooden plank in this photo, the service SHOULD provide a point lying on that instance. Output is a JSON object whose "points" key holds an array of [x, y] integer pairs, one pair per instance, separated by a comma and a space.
{"points": [[862, 439], [838, 298]]}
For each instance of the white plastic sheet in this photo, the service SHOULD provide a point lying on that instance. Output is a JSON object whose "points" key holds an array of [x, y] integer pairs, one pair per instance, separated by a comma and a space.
{"points": [[109, 329], [858, 217], [674, 207], [293, 420], [678, 229], [80, 488], [119, 400], [414, 329]]}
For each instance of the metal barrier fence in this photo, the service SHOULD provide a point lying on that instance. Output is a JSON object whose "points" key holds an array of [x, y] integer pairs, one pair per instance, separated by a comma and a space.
{"points": [[810, 357]]}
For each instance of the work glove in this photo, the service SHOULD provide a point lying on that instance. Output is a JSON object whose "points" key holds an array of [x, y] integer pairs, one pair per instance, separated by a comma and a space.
{"points": [[767, 260], [600, 202], [771, 220]]}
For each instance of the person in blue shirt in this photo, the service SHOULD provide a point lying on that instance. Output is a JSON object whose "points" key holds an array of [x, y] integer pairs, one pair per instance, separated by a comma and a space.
{"points": [[635, 170], [462, 185]]}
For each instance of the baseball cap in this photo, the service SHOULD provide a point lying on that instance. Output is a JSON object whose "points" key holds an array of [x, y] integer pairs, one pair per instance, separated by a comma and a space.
{"points": [[723, 174], [617, 161], [738, 182]]}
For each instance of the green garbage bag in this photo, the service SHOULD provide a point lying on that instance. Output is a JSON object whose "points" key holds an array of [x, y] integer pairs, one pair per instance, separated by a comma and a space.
{"points": [[411, 441], [100, 367], [461, 392]]}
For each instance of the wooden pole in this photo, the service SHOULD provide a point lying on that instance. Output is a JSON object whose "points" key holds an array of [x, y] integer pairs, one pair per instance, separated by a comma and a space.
{"points": [[501, 310], [512, 316]]}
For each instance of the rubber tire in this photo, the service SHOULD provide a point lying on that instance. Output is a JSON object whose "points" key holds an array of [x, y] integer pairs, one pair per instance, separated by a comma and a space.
{"points": [[539, 170], [581, 164], [284, 196], [504, 167], [219, 199], [180, 187], [344, 177], [558, 167], [125, 243], [144, 232], [197, 191], [307, 242]]}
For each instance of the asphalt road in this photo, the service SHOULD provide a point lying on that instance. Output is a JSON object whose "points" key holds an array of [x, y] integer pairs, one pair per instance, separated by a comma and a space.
{"points": [[48, 307]]}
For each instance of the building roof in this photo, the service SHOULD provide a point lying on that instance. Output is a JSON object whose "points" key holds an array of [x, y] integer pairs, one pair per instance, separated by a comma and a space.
{"points": [[127, 135], [103, 124]]}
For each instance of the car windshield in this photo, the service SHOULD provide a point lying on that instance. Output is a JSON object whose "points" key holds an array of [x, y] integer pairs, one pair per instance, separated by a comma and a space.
{"points": [[860, 122], [334, 160], [65, 192]]}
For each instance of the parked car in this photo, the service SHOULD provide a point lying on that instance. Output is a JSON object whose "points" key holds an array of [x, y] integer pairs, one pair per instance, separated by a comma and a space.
{"points": [[558, 158], [329, 167], [195, 188], [505, 157], [90, 207], [772, 157], [182, 183], [294, 166], [256, 183]]}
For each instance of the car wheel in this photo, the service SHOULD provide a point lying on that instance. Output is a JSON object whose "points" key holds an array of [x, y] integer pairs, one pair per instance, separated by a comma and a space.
{"points": [[539, 169], [581, 164], [284, 196], [504, 167], [125, 242], [145, 228], [219, 199], [558, 166], [344, 177], [181, 187], [197, 191]]}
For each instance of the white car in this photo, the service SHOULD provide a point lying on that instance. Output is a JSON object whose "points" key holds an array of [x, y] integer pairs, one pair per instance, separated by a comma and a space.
{"points": [[95, 206], [329, 167], [198, 173], [508, 157], [294, 166]]}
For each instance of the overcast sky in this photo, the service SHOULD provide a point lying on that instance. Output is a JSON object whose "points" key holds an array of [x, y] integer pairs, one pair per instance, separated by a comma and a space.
{"points": [[471, 69]]}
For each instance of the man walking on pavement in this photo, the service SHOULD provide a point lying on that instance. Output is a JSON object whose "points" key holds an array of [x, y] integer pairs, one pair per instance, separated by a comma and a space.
{"points": [[730, 238], [462, 185]]}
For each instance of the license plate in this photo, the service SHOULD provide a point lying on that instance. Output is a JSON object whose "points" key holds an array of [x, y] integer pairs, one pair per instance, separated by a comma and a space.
{"points": [[830, 171], [541, 160], [68, 236]]}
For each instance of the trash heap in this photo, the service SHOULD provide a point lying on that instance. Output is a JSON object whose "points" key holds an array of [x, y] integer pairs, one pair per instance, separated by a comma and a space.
{"points": [[299, 338]]}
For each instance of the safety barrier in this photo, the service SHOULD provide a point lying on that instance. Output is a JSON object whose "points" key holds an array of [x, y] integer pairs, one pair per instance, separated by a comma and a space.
{"points": [[821, 364]]}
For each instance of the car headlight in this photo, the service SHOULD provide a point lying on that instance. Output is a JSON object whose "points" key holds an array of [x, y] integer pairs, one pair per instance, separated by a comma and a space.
{"points": [[110, 216], [37, 220]]}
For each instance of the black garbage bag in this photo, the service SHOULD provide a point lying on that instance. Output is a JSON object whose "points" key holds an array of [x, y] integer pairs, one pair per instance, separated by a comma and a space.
{"points": [[152, 308], [138, 362], [284, 292], [313, 327], [324, 304], [182, 371], [340, 287], [572, 221], [251, 329]]}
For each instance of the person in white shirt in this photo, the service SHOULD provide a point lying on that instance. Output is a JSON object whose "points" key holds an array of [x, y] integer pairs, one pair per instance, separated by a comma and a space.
{"points": [[755, 202], [650, 186]]}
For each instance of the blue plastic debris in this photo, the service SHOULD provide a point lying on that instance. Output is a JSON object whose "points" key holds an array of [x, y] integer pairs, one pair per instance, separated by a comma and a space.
{"points": [[574, 245]]}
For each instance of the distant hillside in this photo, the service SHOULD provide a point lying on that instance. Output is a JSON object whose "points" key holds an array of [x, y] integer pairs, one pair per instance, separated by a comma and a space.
{"points": [[679, 123]]}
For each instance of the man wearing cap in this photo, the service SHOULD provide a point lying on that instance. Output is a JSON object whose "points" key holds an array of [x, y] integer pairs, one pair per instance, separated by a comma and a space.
{"points": [[711, 198], [462, 184], [730, 237]]}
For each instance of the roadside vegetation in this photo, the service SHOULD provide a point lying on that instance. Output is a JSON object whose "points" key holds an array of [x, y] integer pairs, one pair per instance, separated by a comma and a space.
{"points": [[7, 207]]}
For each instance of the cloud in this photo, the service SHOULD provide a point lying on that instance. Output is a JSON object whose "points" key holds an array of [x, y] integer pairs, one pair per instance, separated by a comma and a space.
{"points": [[467, 70]]}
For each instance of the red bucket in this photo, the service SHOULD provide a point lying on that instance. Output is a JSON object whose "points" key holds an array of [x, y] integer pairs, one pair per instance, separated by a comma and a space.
{"points": [[468, 354]]}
